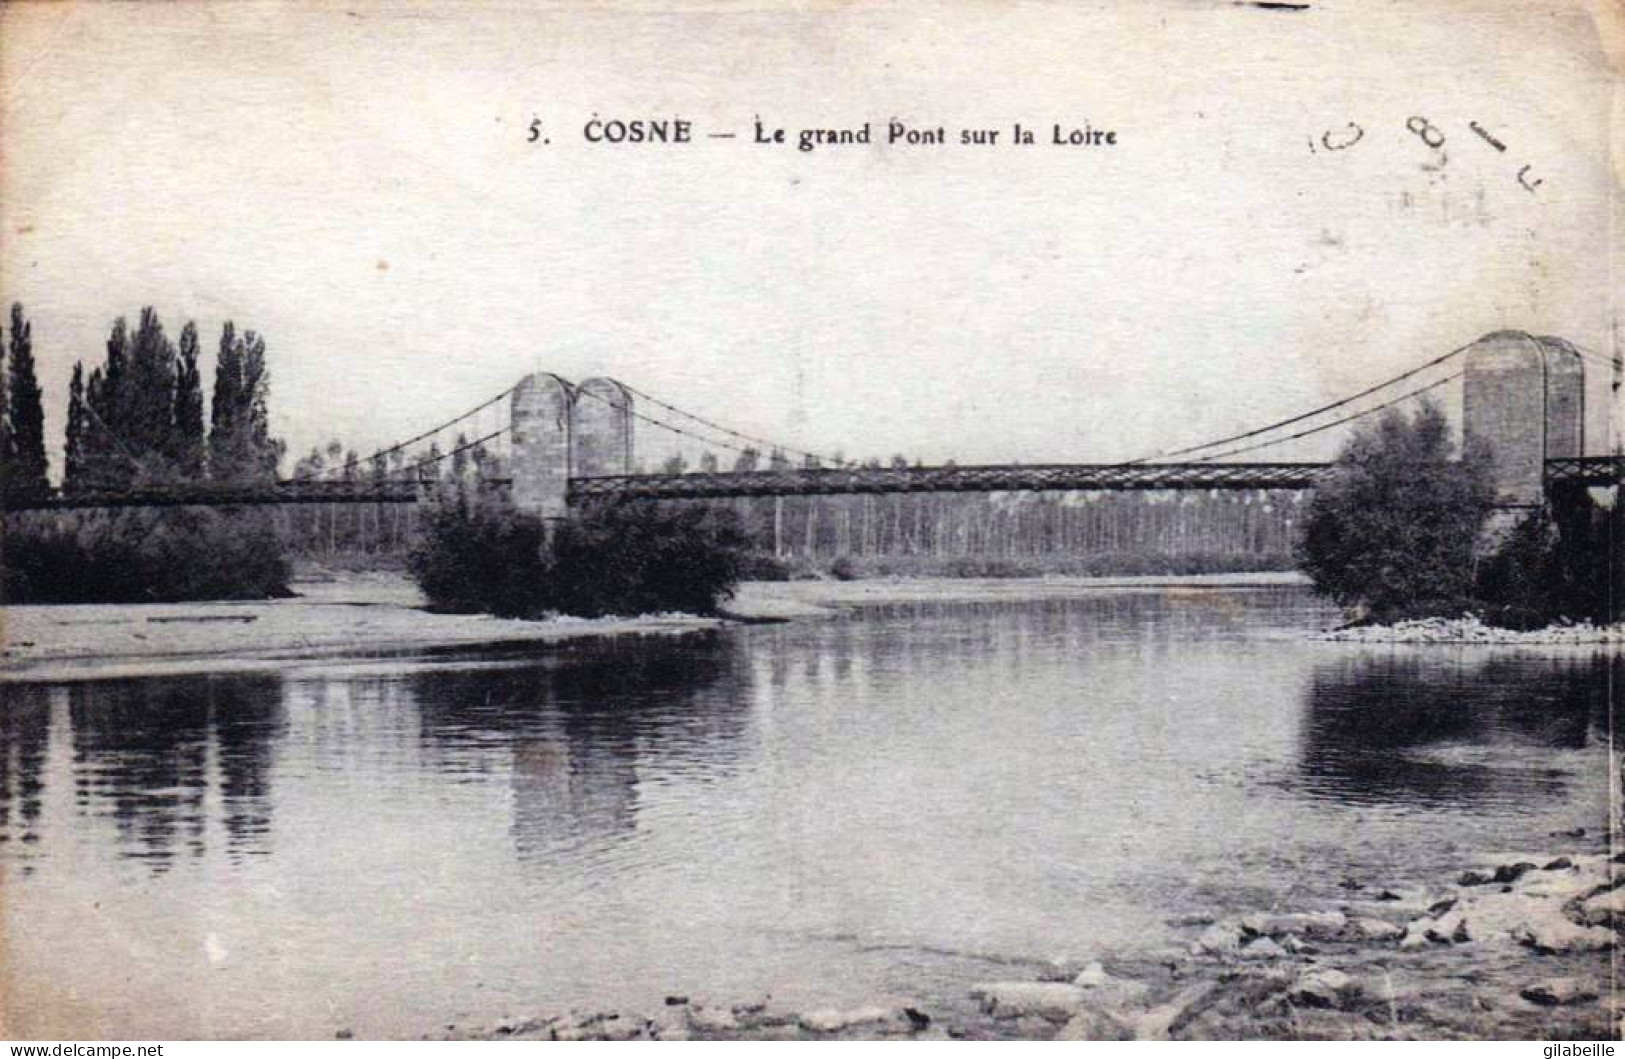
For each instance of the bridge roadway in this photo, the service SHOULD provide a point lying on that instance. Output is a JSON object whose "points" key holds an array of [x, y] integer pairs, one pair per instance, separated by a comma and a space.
{"points": [[1589, 470]]}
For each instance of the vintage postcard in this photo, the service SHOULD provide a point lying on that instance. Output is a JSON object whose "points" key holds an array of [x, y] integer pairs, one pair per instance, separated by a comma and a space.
{"points": [[690, 520]]}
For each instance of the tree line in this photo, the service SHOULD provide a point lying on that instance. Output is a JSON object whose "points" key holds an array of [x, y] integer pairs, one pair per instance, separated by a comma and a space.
{"points": [[138, 419]]}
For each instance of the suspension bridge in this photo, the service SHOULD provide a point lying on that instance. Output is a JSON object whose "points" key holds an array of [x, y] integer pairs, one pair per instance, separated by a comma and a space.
{"points": [[550, 444]]}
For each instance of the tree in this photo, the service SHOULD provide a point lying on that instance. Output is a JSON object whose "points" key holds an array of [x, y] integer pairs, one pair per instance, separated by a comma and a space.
{"points": [[73, 448], [150, 407], [25, 413], [7, 450], [1393, 531], [225, 409], [187, 442], [240, 444], [104, 464]]}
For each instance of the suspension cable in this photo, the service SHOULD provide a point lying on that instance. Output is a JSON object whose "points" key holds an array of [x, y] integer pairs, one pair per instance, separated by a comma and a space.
{"points": [[1458, 351], [398, 446], [1334, 423], [662, 424], [726, 430]]}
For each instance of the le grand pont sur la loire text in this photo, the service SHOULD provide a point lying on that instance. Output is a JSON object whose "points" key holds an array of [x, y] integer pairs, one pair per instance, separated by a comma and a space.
{"points": [[658, 131]]}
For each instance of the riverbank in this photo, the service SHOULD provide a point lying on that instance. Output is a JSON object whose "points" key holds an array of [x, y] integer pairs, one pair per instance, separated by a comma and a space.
{"points": [[1518, 947], [338, 614]]}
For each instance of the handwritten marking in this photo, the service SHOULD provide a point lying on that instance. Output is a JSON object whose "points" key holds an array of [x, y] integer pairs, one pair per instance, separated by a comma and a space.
{"points": [[1342, 144], [1526, 184], [1491, 140], [1428, 131]]}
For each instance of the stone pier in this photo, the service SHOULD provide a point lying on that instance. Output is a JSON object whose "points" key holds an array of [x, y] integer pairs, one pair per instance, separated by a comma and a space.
{"points": [[1523, 402], [562, 432]]}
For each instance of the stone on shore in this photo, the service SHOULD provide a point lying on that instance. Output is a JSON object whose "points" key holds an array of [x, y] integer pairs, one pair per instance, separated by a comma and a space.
{"points": [[1221, 939], [1555, 934], [1558, 991], [833, 1021], [1378, 931], [1054, 1001], [1323, 987], [1160, 1022], [1604, 908], [1095, 1026], [712, 1020], [1316, 926], [1263, 948]]}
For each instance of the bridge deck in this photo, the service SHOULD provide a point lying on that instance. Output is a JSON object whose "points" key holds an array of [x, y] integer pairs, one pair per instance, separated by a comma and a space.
{"points": [[1588, 470], [973, 479]]}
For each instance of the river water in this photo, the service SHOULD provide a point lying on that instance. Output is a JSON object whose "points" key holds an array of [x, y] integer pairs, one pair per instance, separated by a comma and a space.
{"points": [[896, 803]]}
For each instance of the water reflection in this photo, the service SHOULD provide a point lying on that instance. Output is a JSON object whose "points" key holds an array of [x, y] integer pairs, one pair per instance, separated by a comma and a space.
{"points": [[151, 756], [582, 731], [1457, 730], [25, 719]]}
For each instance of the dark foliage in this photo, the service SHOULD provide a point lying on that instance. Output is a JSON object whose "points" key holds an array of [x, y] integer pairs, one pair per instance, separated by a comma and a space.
{"points": [[1393, 531], [26, 472], [141, 556], [240, 445], [635, 558], [1556, 565], [186, 438], [473, 558], [74, 453]]}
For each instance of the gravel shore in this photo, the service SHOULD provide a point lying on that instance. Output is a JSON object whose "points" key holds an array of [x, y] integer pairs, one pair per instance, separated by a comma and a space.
{"points": [[1470, 630], [1518, 947]]}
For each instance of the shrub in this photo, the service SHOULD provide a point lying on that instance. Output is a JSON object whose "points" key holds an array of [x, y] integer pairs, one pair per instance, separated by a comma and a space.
{"points": [[641, 558], [142, 555], [1394, 529], [1557, 564], [845, 568], [627, 558], [482, 558]]}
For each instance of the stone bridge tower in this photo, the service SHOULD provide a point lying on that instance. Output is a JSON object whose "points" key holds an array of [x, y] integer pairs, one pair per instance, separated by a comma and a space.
{"points": [[562, 432], [1523, 401]]}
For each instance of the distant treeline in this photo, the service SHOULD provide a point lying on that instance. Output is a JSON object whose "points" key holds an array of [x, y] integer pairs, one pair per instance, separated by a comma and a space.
{"points": [[1018, 533]]}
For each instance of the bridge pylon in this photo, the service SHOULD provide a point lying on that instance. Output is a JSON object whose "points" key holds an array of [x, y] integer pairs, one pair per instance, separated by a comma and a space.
{"points": [[1523, 402], [560, 432]]}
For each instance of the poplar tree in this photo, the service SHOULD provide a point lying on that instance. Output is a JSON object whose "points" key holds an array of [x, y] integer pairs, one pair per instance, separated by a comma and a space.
{"points": [[25, 414], [224, 460], [151, 392], [240, 444], [187, 437], [73, 450], [105, 463], [7, 451]]}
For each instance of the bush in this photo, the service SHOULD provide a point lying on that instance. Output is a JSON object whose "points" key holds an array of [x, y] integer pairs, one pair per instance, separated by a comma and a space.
{"points": [[1556, 565], [142, 555], [627, 558], [642, 558], [482, 558], [1394, 530]]}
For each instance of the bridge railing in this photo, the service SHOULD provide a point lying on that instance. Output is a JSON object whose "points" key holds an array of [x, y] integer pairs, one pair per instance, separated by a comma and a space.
{"points": [[1584, 470], [970, 479]]}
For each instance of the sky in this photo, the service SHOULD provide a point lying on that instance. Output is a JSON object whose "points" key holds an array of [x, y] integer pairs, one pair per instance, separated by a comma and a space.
{"points": [[355, 182]]}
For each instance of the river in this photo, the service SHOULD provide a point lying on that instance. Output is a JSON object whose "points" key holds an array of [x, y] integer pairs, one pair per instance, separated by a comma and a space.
{"points": [[897, 802]]}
